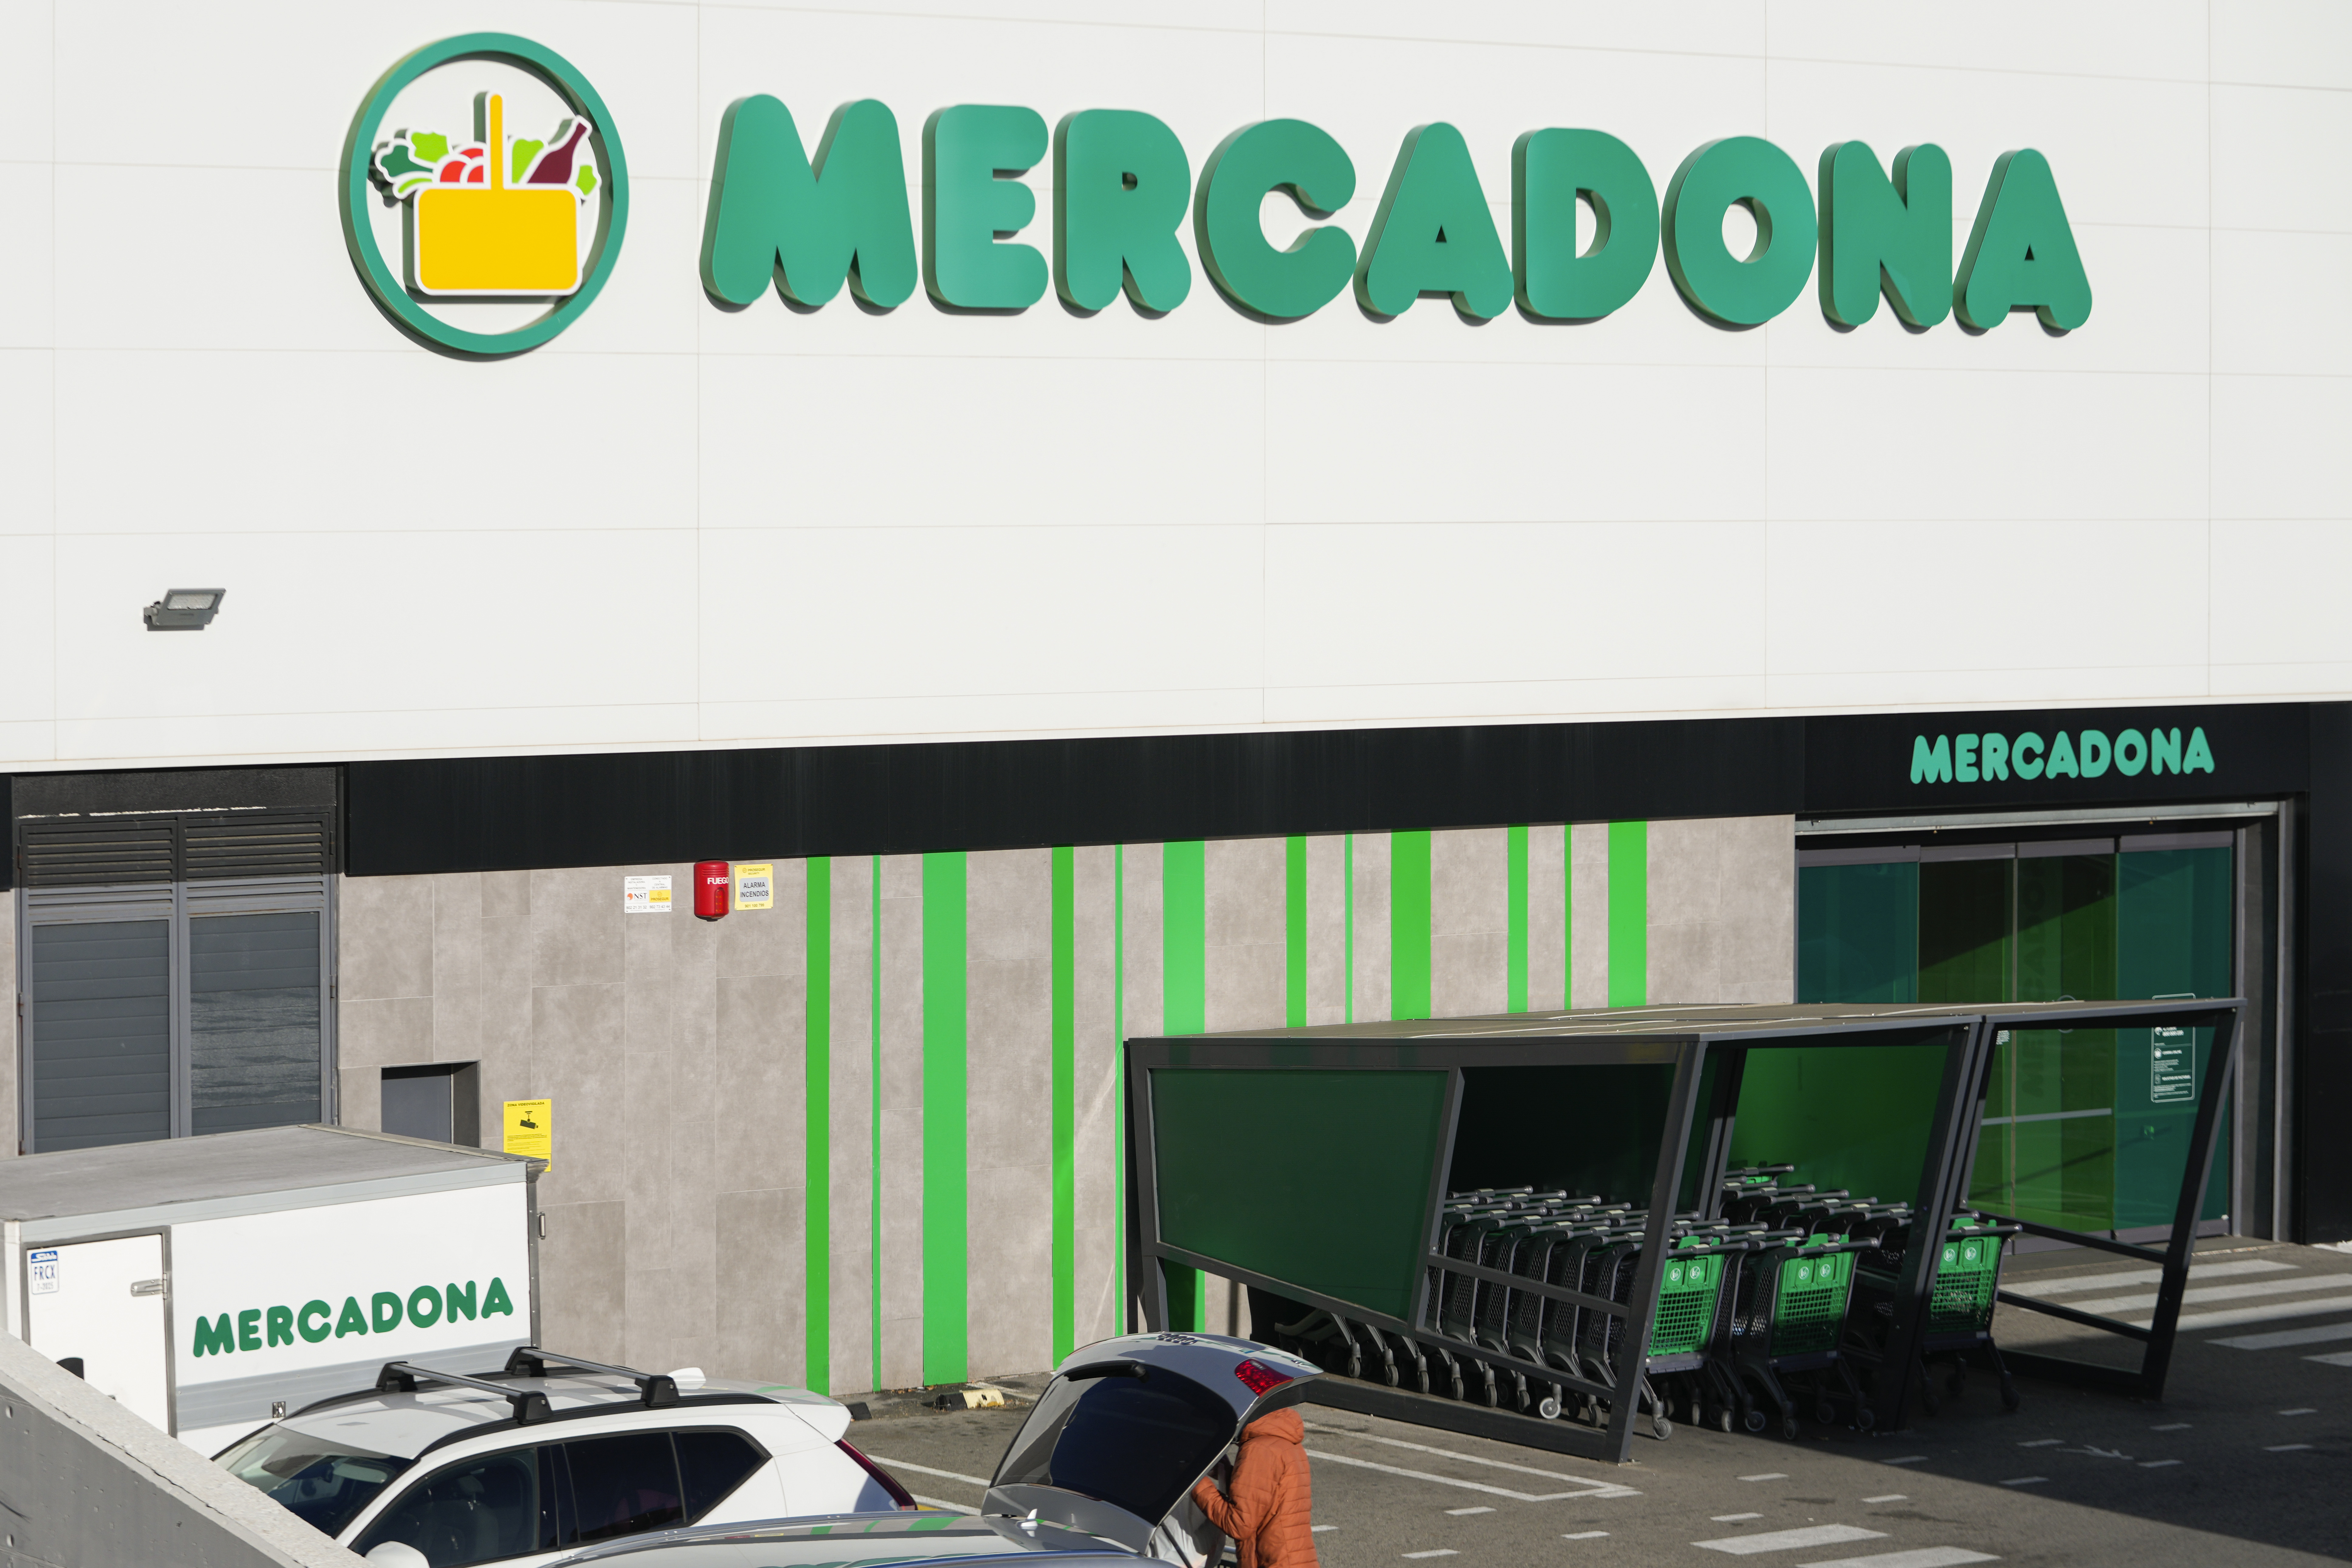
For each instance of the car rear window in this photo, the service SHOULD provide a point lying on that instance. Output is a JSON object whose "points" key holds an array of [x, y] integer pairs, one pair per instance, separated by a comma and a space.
{"points": [[1138, 1443], [711, 1464], [322, 1482], [623, 1484]]}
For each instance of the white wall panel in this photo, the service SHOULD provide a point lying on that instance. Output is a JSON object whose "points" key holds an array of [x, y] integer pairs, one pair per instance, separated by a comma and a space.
{"points": [[679, 525]]}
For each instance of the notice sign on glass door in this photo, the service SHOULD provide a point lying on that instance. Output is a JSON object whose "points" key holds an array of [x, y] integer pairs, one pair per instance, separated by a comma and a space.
{"points": [[2172, 1066]]}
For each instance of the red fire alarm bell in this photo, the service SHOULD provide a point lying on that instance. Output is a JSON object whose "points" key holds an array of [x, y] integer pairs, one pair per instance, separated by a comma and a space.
{"points": [[711, 887]]}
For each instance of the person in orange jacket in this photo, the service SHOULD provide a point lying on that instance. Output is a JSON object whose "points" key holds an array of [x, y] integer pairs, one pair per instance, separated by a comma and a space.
{"points": [[1270, 1515]]}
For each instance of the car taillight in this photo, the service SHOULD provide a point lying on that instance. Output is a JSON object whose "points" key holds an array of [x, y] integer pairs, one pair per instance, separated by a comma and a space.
{"points": [[1260, 1377], [882, 1477]]}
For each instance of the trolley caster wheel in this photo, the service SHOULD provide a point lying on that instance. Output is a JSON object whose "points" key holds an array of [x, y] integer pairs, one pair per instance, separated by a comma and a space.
{"points": [[1661, 1428], [2009, 1398], [1825, 1413], [1789, 1428], [1548, 1409], [1864, 1417], [1754, 1421], [1389, 1376], [1723, 1420]]}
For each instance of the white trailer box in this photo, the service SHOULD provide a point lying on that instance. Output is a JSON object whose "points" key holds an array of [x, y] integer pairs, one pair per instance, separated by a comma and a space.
{"points": [[202, 1282]]}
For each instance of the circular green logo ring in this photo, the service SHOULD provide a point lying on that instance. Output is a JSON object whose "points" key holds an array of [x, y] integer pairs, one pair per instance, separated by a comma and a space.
{"points": [[359, 234]]}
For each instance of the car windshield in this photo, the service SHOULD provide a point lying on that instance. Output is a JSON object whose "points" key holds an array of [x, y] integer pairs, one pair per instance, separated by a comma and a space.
{"points": [[1135, 1443], [321, 1480]]}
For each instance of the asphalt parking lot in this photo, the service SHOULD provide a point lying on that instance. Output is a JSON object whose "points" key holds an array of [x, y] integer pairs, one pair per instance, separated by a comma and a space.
{"points": [[2243, 1462]]}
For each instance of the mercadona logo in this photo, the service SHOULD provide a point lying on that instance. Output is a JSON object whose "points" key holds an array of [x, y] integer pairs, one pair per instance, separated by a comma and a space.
{"points": [[490, 169]]}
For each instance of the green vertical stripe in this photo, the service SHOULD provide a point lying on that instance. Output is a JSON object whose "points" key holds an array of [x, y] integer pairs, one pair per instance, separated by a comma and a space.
{"points": [[945, 1215], [1515, 918], [1348, 917], [1409, 925], [1294, 903], [817, 1165], [1066, 1106], [1119, 1088], [1184, 937], [874, 1105], [1629, 914]]}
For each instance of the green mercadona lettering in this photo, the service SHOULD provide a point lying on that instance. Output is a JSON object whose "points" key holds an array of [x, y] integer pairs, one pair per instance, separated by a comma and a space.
{"points": [[262, 1328], [1588, 222], [2085, 754]]}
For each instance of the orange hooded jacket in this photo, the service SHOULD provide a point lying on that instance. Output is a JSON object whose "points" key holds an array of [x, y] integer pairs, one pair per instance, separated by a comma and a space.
{"points": [[1271, 1514]]}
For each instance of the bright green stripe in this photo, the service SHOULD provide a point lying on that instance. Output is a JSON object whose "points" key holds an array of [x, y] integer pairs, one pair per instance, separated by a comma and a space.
{"points": [[1119, 1088], [874, 1102], [817, 1087], [1515, 918], [946, 1218], [1409, 925], [1066, 1104], [1294, 907], [1629, 914], [1348, 917], [1184, 937]]}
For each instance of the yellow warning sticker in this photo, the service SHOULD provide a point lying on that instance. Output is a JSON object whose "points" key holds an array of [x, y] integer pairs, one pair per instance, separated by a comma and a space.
{"points": [[755, 886], [530, 1129]]}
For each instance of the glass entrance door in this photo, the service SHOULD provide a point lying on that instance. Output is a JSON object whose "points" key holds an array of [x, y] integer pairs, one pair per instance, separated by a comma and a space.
{"points": [[2088, 1128]]}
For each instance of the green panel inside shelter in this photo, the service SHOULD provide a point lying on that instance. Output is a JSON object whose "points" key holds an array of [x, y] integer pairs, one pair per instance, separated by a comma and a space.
{"points": [[1855, 1117], [1590, 1129], [1316, 1179]]}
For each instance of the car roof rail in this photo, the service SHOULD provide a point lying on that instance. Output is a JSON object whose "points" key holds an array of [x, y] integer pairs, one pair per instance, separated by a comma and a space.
{"points": [[400, 1377], [655, 1389]]}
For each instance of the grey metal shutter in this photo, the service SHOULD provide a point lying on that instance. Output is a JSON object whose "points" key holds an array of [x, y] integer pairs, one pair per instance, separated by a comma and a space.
{"points": [[99, 1007]]}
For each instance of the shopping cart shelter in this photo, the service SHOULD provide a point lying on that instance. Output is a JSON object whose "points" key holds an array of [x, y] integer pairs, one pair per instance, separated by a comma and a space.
{"points": [[1595, 1220]]}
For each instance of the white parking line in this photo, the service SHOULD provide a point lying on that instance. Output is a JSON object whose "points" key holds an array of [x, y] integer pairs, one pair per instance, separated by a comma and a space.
{"points": [[2025, 1481], [1319, 1529], [1440, 1552], [2171, 1426], [2042, 1443], [927, 1471], [2286, 1447], [1907, 1459], [1790, 1539], [1458, 1513], [1595, 1488], [2157, 1464], [943, 1507], [2341, 1358], [1732, 1518], [2282, 1337], [1586, 1535], [1923, 1557], [1890, 1497], [1768, 1475], [1444, 1453], [2302, 1410]]}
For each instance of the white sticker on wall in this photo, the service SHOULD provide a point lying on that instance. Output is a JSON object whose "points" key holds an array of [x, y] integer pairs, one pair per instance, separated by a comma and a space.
{"points": [[43, 1267], [645, 895]]}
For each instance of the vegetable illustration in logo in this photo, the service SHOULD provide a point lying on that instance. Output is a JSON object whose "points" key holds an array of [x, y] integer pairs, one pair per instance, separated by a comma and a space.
{"points": [[493, 215]]}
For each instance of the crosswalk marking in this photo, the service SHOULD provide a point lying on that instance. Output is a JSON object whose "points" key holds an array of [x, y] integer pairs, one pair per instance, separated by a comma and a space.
{"points": [[1790, 1539], [2313, 1306], [2279, 1339], [1589, 1489], [2142, 1301], [2028, 1286], [1920, 1557]]}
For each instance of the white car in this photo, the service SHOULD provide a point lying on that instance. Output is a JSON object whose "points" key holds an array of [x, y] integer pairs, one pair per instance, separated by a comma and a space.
{"points": [[433, 1469], [1100, 1473]]}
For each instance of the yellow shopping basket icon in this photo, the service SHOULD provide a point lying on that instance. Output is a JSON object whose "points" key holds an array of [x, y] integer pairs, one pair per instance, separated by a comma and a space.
{"points": [[496, 238]]}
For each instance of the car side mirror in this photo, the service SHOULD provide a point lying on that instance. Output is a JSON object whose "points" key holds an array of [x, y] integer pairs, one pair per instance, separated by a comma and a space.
{"points": [[397, 1555]]}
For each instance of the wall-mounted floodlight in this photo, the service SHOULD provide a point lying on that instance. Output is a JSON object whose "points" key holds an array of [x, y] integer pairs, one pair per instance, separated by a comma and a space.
{"points": [[184, 609]]}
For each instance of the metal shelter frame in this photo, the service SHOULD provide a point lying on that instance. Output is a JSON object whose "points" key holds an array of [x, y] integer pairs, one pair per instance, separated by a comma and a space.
{"points": [[1684, 1037]]}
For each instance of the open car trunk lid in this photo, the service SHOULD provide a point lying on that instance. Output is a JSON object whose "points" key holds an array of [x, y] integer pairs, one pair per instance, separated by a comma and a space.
{"points": [[1128, 1425]]}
